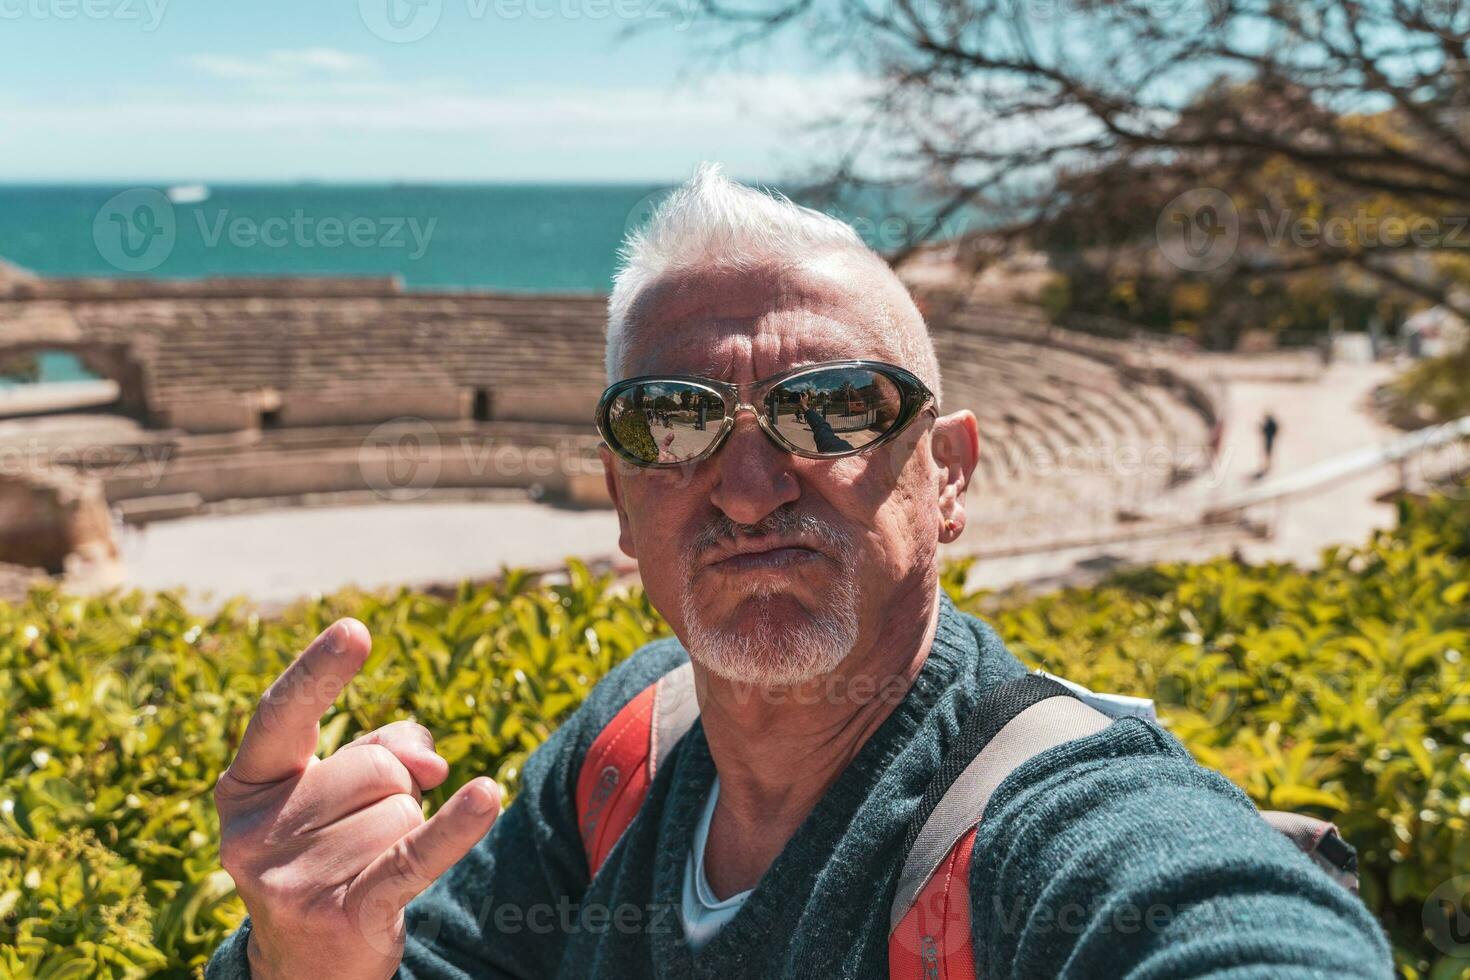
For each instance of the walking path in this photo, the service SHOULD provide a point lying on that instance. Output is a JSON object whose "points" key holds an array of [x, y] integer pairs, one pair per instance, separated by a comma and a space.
{"points": [[274, 556], [1319, 420], [1320, 417]]}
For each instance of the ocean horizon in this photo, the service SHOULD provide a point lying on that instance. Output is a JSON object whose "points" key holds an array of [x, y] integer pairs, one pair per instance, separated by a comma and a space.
{"points": [[519, 236]]}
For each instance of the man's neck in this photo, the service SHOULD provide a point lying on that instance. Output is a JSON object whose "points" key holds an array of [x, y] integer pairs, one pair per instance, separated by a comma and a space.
{"points": [[777, 750]]}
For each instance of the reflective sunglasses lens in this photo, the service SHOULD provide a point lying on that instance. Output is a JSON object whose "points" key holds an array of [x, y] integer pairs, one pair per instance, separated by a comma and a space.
{"points": [[834, 411], [664, 421]]}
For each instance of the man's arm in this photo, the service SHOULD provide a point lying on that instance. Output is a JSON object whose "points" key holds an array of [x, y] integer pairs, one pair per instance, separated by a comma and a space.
{"points": [[825, 437], [327, 852], [472, 922], [499, 912], [1117, 855]]}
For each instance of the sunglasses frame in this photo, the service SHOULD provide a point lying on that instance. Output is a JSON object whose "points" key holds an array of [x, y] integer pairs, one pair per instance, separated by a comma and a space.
{"points": [[916, 399]]}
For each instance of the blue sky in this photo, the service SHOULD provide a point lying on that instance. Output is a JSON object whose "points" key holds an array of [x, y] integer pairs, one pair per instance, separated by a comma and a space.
{"points": [[433, 90]]}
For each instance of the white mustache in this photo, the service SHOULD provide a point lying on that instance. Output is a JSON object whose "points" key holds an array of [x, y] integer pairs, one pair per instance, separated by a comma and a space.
{"points": [[782, 523]]}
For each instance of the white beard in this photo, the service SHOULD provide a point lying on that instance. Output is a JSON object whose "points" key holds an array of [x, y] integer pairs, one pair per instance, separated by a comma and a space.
{"points": [[766, 657]]}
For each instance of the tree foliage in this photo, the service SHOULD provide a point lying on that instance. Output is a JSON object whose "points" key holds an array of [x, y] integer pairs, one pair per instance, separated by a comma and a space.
{"points": [[1336, 133]]}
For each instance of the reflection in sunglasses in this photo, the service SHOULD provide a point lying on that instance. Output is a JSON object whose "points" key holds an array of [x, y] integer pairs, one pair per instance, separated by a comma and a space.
{"points": [[821, 412]]}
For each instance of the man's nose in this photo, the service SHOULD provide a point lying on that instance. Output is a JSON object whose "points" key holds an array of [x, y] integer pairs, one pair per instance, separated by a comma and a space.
{"points": [[753, 476]]}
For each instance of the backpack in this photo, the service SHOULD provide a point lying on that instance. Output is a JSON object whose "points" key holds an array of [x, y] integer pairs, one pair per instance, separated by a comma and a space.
{"points": [[929, 918]]}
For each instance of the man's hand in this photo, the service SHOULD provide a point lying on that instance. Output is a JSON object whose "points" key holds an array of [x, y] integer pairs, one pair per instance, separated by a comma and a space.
{"points": [[327, 852]]}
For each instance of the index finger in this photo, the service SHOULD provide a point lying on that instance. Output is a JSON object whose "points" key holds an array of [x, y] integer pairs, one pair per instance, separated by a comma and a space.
{"points": [[282, 736]]}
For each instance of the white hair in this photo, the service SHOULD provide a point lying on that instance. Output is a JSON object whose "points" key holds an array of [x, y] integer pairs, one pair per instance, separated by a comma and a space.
{"points": [[714, 221]]}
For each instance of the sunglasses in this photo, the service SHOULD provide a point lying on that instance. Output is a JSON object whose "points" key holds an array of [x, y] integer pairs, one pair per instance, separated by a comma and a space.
{"points": [[819, 411]]}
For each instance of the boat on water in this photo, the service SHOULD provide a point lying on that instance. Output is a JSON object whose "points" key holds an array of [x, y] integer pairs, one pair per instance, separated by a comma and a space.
{"points": [[188, 194]]}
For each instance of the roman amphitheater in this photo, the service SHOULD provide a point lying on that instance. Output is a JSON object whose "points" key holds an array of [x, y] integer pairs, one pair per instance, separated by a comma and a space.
{"points": [[217, 398]]}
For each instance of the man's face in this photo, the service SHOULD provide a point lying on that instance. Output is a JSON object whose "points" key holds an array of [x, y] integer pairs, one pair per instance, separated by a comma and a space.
{"points": [[771, 567]]}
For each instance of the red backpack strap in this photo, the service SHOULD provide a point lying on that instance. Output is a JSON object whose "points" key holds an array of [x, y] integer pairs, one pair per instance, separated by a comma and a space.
{"points": [[929, 921], [625, 756]]}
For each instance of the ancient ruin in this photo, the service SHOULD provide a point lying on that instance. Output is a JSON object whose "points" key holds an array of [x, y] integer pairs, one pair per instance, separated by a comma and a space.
{"points": [[283, 390]]}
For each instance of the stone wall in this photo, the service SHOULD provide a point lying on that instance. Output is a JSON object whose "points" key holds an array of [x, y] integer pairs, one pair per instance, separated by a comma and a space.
{"points": [[18, 285], [50, 514]]}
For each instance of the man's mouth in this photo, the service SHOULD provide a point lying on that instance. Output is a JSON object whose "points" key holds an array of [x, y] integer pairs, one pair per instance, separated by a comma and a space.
{"points": [[756, 556], [771, 559]]}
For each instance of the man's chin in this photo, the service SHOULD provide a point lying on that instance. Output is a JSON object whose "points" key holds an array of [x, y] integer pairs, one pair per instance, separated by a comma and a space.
{"points": [[770, 640], [764, 613]]}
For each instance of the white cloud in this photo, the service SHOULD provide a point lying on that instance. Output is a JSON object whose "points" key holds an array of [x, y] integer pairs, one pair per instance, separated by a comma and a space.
{"points": [[280, 65], [641, 112], [363, 127]]}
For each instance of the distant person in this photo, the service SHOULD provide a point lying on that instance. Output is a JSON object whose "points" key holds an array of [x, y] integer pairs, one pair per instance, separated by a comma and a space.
{"points": [[1269, 429], [826, 702]]}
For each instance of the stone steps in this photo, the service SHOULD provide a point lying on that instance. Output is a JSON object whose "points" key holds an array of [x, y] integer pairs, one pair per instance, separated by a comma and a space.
{"points": [[1057, 413]]}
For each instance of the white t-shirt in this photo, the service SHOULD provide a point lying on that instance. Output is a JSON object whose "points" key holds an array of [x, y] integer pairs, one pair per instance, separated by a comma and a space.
{"points": [[702, 913]]}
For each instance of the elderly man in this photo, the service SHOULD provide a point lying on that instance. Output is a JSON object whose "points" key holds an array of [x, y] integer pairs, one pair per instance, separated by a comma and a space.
{"points": [[786, 514]]}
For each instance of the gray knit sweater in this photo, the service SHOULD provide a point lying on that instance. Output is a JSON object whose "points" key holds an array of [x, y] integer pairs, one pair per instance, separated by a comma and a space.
{"points": [[1112, 856]]}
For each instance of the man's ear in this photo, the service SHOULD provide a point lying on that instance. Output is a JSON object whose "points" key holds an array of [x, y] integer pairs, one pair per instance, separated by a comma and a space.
{"points": [[956, 447], [615, 491]]}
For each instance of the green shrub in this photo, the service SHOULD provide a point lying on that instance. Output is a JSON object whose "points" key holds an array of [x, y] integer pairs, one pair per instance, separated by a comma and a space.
{"points": [[119, 713], [1341, 691]]}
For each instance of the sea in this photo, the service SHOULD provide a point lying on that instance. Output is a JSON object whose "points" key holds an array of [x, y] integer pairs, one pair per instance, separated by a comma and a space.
{"points": [[525, 237], [542, 238]]}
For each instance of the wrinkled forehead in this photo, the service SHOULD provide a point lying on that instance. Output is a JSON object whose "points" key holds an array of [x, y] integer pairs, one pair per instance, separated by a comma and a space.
{"points": [[742, 325]]}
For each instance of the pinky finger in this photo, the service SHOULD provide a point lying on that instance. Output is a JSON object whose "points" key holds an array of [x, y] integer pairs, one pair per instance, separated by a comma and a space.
{"points": [[415, 860]]}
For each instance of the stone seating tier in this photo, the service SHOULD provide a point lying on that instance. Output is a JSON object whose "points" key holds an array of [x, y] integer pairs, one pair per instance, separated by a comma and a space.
{"points": [[277, 393]]}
